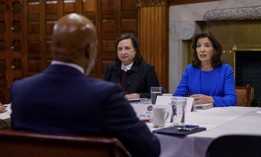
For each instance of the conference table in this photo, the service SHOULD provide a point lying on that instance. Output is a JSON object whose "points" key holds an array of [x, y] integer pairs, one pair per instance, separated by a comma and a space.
{"points": [[218, 121]]}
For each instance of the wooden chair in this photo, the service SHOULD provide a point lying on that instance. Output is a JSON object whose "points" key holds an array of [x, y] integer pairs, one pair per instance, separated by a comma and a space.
{"points": [[244, 96], [26, 144]]}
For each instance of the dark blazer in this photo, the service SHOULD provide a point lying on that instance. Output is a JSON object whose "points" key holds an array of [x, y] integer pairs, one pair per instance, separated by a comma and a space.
{"points": [[139, 78], [61, 100], [221, 88]]}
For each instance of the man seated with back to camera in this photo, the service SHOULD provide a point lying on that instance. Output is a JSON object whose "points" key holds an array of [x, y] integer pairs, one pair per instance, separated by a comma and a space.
{"points": [[62, 100]]}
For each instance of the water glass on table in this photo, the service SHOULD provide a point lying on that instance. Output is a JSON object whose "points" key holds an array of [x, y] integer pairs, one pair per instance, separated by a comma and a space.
{"points": [[154, 92], [178, 111]]}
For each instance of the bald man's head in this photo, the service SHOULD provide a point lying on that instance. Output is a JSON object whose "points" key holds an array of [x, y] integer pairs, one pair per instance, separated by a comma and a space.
{"points": [[74, 39]]}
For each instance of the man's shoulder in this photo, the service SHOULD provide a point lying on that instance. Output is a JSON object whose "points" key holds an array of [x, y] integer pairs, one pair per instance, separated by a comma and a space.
{"points": [[29, 78]]}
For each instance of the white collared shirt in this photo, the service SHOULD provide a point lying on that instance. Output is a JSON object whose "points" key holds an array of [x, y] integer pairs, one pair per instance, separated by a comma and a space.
{"points": [[126, 67], [54, 62]]}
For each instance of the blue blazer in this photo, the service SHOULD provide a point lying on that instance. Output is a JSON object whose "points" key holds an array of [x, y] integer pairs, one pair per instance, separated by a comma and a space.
{"points": [[222, 86], [61, 100]]}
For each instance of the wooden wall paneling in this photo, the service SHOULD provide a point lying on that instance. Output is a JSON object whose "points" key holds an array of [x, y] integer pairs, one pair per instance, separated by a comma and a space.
{"points": [[129, 25], [70, 6], [52, 13], [128, 19], [108, 52], [16, 43], [109, 25], [5, 49], [18, 48], [153, 35], [12, 58], [90, 10], [9, 35], [4, 25], [34, 28], [99, 59], [43, 14], [89, 6], [108, 33], [19, 8]]}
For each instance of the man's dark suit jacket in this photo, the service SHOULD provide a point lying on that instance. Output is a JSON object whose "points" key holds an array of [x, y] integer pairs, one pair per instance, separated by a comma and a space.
{"points": [[139, 78], [61, 100]]}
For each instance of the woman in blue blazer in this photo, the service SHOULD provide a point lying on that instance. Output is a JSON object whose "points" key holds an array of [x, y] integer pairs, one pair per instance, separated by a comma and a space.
{"points": [[207, 79]]}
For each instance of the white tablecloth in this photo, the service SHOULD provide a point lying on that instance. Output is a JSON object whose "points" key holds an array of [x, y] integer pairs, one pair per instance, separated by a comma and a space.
{"points": [[218, 121]]}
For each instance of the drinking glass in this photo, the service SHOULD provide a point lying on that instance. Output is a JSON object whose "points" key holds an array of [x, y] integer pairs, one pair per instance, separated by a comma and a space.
{"points": [[154, 92], [178, 110]]}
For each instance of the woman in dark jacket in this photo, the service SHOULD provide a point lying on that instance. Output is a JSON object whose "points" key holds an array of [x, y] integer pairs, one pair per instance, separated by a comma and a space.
{"points": [[130, 70]]}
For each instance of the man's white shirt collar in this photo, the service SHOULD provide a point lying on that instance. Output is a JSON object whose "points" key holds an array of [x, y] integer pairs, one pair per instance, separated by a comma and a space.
{"points": [[68, 64]]}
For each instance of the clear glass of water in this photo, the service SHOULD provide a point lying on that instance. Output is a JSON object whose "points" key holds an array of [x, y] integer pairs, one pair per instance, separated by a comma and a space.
{"points": [[154, 92], [178, 110]]}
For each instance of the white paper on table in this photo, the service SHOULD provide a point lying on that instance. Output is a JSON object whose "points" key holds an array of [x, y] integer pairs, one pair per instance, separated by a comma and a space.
{"points": [[6, 114], [144, 110]]}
